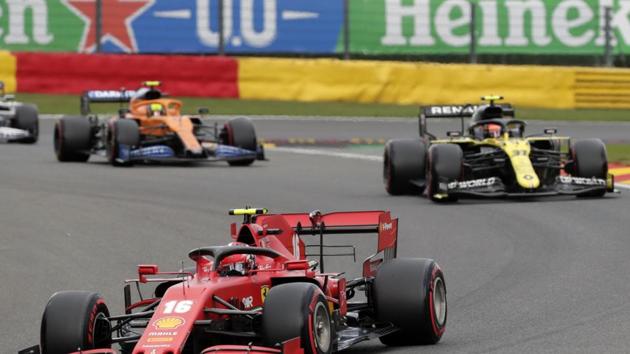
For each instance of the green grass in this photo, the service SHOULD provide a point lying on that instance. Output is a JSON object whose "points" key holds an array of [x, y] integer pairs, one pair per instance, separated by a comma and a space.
{"points": [[69, 104], [619, 153]]}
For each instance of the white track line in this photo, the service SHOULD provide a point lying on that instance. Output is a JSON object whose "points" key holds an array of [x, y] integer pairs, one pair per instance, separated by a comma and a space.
{"points": [[345, 155]]}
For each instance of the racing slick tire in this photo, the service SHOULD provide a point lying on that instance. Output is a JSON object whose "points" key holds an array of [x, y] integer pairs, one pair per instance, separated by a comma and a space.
{"points": [[27, 118], [75, 320], [403, 161], [240, 132], [298, 310], [590, 160], [444, 163], [121, 132], [411, 294], [72, 139]]}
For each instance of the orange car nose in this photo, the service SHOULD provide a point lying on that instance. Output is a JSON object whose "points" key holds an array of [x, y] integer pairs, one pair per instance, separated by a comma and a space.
{"points": [[184, 129]]}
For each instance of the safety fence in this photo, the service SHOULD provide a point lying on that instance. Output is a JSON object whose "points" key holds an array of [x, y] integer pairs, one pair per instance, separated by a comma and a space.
{"points": [[312, 80], [510, 31]]}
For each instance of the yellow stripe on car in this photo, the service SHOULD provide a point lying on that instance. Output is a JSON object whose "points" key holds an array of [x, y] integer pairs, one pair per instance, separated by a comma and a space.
{"points": [[151, 83], [518, 151], [248, 211]]}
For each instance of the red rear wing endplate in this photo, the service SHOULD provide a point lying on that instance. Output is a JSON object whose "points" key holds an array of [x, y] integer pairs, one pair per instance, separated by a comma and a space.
{"points": [[348, 222]]}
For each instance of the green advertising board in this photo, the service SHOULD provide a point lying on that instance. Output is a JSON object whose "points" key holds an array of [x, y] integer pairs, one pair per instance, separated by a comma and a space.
{"points": [[502, 26], [376, 27], [39, 26]]}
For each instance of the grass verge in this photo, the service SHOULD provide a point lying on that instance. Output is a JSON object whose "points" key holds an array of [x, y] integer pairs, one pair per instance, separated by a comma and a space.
{"points": [[619, 153], [69, 104]]}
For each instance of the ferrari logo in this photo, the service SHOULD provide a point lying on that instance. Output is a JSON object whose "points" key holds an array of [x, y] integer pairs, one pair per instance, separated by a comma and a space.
{"points": [[264, 290], [169, 322]]}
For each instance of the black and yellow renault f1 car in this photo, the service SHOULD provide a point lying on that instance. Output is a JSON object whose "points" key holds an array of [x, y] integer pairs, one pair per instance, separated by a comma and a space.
{"points": [[490, 156]]}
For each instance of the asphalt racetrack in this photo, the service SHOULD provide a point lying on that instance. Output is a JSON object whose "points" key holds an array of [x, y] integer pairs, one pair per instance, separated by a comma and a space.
{"points": [[535, 276]]}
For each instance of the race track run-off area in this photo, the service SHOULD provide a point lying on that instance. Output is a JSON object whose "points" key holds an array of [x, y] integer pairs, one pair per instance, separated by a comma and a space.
{"points": [[523, 276]]}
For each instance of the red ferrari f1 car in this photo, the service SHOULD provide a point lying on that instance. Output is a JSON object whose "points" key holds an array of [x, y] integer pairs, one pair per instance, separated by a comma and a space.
{"points": [[263, 294]]}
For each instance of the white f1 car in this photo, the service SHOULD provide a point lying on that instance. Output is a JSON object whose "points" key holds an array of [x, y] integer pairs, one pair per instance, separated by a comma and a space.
{"points": [[19, 122]]}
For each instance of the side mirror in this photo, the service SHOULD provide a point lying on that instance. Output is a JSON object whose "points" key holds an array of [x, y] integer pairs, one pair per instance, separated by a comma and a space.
{"points": [[203, 111], [550, 131], [146, 269], [233, 232]]}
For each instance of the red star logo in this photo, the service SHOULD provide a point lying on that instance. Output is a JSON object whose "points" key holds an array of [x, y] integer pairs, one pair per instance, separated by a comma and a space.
{"points": [[117, 16]]}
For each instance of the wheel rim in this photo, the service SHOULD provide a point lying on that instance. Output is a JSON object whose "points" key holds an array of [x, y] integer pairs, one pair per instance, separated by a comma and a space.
{"points": [[439, 301], [102, 331], [321, 327]]}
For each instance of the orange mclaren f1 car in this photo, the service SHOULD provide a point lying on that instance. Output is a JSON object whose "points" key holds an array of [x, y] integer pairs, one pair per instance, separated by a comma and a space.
{"points": [[152, 128]]}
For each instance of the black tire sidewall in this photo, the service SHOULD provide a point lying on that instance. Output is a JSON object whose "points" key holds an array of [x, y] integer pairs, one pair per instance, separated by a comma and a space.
{"points": [[287, 314], [444, 161], [27, 118], [72, 139], [121, 131], [403, 161], [590, 158], [403, 295], [68, 322], [240, 132]]}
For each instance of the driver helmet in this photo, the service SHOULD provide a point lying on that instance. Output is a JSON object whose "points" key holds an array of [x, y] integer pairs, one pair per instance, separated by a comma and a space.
{"points": [[237, 264], [155, 110], [487, 111]]}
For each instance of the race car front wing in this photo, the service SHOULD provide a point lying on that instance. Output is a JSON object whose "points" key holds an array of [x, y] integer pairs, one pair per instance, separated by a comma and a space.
{"points": [[292, 346], [493, 187], [213, 152], [8, 134]]}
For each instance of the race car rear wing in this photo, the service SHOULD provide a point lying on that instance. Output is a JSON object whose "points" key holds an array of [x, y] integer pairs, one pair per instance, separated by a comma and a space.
{"points": [[350, 222], [458, 111], [104, 96], [454, 111]]}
